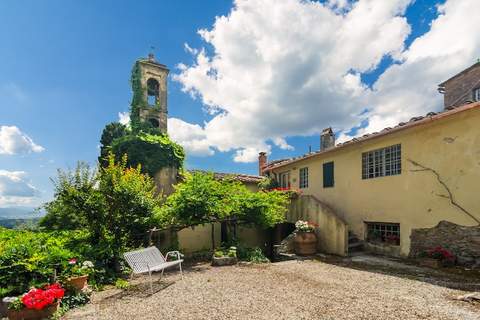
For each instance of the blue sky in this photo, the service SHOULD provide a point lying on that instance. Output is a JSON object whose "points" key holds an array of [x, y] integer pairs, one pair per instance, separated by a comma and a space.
{"points": [[65, 68]]}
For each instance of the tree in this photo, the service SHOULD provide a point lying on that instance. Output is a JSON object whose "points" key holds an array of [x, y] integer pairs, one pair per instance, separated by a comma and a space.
{"points": [[202, 199], [111, 132], [116, 204], [72, 190], [130, 203]]}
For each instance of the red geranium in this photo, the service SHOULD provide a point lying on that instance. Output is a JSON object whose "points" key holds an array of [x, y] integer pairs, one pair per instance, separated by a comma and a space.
{"points": [[38, 299], [441, 253]]}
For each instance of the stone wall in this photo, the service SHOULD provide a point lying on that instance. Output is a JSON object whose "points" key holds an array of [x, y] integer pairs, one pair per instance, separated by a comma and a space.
{"points": [[463, 241], [460, 89]]}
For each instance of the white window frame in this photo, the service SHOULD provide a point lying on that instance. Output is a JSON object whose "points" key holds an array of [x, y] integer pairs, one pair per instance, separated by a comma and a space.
{"points": [[284, 179], [303, 178], [382, 162]]}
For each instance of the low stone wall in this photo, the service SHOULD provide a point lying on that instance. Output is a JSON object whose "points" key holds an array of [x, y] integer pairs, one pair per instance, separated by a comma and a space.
{"points": [[463, 241]]}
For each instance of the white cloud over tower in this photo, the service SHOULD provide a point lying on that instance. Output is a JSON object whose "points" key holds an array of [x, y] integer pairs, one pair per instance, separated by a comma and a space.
{"points": [[274, 69]]}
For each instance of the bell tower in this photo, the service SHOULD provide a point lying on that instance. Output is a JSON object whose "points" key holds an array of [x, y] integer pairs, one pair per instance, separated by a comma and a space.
{"points": [[149, 84]]}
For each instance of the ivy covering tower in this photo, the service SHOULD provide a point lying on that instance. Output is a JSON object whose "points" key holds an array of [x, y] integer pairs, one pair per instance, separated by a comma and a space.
{"points": [[145, 140]]}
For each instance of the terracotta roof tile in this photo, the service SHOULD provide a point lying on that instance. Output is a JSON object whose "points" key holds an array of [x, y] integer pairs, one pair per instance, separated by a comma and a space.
{"points": [[414, 121]]}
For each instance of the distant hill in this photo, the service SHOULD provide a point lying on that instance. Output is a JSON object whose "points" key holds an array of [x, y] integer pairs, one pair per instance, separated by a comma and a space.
{"points": [[19, 213], [18, 223]]}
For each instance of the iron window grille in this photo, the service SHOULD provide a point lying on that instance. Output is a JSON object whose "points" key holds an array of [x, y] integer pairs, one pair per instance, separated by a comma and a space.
{"points": [[303, 183], [379, 232], [382, 162]]}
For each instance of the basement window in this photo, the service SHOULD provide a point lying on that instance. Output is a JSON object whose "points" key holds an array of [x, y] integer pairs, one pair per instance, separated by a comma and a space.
{"points": [[476, 94], [382, 162], [303, 183], [384, 233]]}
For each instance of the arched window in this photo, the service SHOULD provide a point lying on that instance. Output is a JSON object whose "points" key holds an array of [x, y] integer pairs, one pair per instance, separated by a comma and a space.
{"points": [[153, 91], [154, 122]]}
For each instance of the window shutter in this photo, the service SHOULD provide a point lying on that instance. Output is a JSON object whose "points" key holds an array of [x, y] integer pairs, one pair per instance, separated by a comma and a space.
{"points": [[328, 175]]}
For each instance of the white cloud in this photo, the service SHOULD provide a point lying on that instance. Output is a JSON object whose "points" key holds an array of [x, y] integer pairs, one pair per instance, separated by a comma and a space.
{"points": [[124, 118], [410, 89], [274, 69], [190, 136], [13, 141], [15, 189], [284, 68]]}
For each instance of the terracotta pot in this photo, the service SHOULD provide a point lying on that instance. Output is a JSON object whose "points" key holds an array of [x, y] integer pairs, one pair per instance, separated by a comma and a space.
{"points": [[431, 263], [79, 283], [305, 243], [32, 314]]}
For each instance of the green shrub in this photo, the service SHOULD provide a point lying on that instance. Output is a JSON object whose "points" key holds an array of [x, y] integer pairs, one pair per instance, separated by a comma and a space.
{"points": [[254, 255], [122, 284], [152, 152], [31, 258]]}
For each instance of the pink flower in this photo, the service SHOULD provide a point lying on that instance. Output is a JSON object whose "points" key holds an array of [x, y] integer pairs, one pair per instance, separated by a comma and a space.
{"points": [[72, 261]]}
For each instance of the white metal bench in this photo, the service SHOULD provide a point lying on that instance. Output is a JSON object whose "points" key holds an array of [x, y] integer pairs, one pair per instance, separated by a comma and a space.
{"points": [[150, 260]]}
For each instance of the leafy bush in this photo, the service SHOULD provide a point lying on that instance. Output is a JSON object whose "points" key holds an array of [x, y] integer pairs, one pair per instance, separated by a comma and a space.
{"points": [[202, 199], [254, 255], [115, 205], [122, 284], [31, 258], [153, 152]]}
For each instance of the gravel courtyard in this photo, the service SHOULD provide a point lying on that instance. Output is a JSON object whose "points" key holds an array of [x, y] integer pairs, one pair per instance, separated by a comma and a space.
{"points": [[286, 290]]}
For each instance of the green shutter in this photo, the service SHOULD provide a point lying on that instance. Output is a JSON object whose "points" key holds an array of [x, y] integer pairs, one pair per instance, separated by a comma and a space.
{"points": [[328, 180]]}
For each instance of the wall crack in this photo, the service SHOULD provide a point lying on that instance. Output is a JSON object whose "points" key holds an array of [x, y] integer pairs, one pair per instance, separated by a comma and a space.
{"points": [[449, 196]]}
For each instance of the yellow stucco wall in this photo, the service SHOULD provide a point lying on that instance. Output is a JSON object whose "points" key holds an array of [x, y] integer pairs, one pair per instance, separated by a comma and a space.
{"points": [[199, 238], [331, 230], [449, 145]]}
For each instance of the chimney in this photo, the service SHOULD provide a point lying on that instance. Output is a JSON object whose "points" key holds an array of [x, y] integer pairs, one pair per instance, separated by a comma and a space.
{"points": [[262, 161], [327, 139]]}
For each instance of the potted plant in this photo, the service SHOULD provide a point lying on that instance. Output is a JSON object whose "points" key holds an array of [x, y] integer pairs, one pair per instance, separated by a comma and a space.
{"points": [[76, 274], [392, 239], [305, 240], [437, 257], [225, 257], [36, 304]]}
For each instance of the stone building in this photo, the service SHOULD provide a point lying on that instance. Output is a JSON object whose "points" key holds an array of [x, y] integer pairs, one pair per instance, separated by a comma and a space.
{"points": [[462, 88], [381, 191], [153, 81]]}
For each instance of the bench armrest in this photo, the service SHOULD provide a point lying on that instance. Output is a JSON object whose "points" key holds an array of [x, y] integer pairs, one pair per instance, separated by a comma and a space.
{"points": [[173, 253]]}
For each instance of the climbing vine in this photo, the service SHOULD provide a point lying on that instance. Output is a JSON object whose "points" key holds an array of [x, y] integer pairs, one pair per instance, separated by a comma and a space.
{"points": [[138, 98], [153, 152]]}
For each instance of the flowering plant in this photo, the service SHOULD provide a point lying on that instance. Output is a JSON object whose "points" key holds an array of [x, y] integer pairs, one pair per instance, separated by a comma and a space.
{"points": [[76, 268], [305, 226], [440, 253], [39, 299]]}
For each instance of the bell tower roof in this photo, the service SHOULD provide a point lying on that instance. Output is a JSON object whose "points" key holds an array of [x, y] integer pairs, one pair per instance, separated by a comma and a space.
{"points": [[151, 60]]}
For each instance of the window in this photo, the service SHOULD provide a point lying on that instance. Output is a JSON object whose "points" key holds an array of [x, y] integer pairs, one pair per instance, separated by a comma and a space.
{"points": [[382, 162], [154, 122], [303, 178], [328, 175], [379, 232], [284, 180], [476, 94], [153, 91]]}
